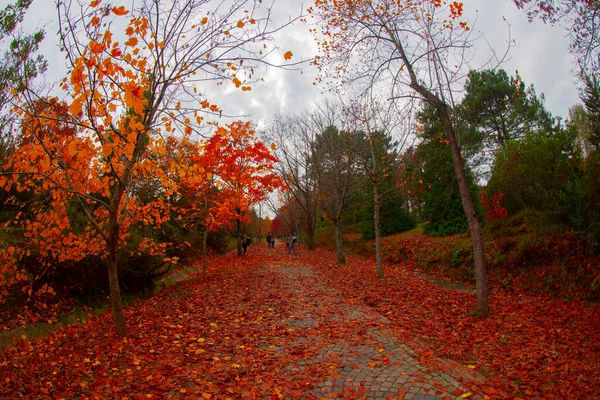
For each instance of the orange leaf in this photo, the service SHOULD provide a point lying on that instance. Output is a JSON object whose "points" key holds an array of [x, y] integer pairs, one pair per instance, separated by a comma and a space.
{"points": [[131, 42], [119, 11], [240, 24], [94, 3], [288, 55], [95, 21], [96, 48]]}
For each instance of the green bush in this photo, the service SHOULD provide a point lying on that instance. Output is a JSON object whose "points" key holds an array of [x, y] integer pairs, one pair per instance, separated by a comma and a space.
{"points": [[541, 173]]}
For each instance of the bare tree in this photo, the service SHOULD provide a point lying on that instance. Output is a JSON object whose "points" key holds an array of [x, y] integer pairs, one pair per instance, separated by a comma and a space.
{"points": [[410, 50], [295, 141], [371, 129], [336, 167]]}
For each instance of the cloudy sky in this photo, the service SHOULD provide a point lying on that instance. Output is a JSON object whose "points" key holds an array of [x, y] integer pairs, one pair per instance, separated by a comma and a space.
{"points": [[539, 54]]}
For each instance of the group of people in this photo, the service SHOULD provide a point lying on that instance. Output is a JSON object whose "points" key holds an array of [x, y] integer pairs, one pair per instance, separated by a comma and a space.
{"points": [[290, 245], [270, 240]]}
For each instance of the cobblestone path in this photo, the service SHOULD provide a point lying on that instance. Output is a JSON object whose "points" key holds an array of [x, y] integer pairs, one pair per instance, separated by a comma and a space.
{"points": [[363, 356]]}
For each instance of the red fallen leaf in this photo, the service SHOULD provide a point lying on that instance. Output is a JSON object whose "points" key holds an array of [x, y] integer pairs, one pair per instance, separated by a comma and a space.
{"points": [[457, 392]]}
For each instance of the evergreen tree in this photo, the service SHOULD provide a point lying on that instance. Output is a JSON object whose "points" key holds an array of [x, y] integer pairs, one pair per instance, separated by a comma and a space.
{"points": [[442, 206]]}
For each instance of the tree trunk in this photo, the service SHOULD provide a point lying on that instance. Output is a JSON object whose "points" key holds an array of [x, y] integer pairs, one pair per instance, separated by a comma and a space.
{"points": [[378, 257], [115, 298], [239, 237], [113, 275], [204, 262], [310, 233], [339, 244], [483, 306]]}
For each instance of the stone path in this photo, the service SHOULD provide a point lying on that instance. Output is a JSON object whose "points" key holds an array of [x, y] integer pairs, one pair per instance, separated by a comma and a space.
{"points": [[366, 359]]}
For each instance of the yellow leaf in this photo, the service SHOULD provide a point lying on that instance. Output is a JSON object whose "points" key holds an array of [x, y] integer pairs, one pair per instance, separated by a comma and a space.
{"points": [[466, 395], [236, 366]]}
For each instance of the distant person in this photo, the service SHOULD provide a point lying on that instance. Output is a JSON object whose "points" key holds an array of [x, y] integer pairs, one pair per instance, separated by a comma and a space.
{"points": [[245, 243], [292, 247]]}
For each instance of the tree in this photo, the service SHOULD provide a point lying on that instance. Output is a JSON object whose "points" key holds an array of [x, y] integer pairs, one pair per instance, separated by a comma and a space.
{"points": [[295, 136], [580, 122], [414, 49], [541, 173], [127, 96], [591, 98], [335, 163], [19, 65], [442, 208], [496, 109], [246, 171], [376, 153]]}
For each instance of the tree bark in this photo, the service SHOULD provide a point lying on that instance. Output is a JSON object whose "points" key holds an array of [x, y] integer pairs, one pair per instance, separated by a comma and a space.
{"points": [[115, 298], [481, 280], [204, 262], [113, 274], [339, 244], [378, 256]]}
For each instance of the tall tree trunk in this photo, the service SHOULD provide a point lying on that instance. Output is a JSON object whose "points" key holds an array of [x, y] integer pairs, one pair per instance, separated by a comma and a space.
{"points": [[113, 275], [378, 256], [481, 280], [483, 306], [339, 244], [239, 236], [204, 260]]}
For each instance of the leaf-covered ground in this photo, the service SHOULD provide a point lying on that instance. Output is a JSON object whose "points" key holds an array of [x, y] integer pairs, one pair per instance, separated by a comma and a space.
{"points": [[272, 325]]}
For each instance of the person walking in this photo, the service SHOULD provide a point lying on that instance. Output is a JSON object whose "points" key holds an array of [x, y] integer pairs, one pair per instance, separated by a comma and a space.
{"points": [[292, 248], [245, 243], [269, 239]]}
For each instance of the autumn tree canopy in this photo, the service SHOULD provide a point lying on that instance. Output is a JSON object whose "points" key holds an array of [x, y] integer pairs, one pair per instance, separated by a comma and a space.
{"points": [[136, 77]]}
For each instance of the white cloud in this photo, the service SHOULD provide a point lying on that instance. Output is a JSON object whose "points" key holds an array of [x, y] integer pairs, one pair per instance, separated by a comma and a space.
{"points": [[540, 54]]}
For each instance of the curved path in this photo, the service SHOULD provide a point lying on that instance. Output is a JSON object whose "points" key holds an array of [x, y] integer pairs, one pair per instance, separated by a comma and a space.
{"points": [[364, 356]]}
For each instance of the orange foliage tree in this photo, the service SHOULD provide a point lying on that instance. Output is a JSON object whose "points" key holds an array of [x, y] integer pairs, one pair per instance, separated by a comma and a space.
{"points": [[411, 49], [246, 171], [128, 91]]}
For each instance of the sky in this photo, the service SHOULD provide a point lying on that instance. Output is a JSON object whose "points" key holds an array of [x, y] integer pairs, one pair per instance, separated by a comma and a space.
{"points": [[539, 53]]}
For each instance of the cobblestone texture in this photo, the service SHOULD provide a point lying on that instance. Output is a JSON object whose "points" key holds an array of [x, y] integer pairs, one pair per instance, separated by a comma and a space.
{"points": [[376, 364]]}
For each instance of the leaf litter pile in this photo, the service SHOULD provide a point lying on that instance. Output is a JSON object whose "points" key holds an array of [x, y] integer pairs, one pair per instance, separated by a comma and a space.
{"points": [[242, 334]]}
